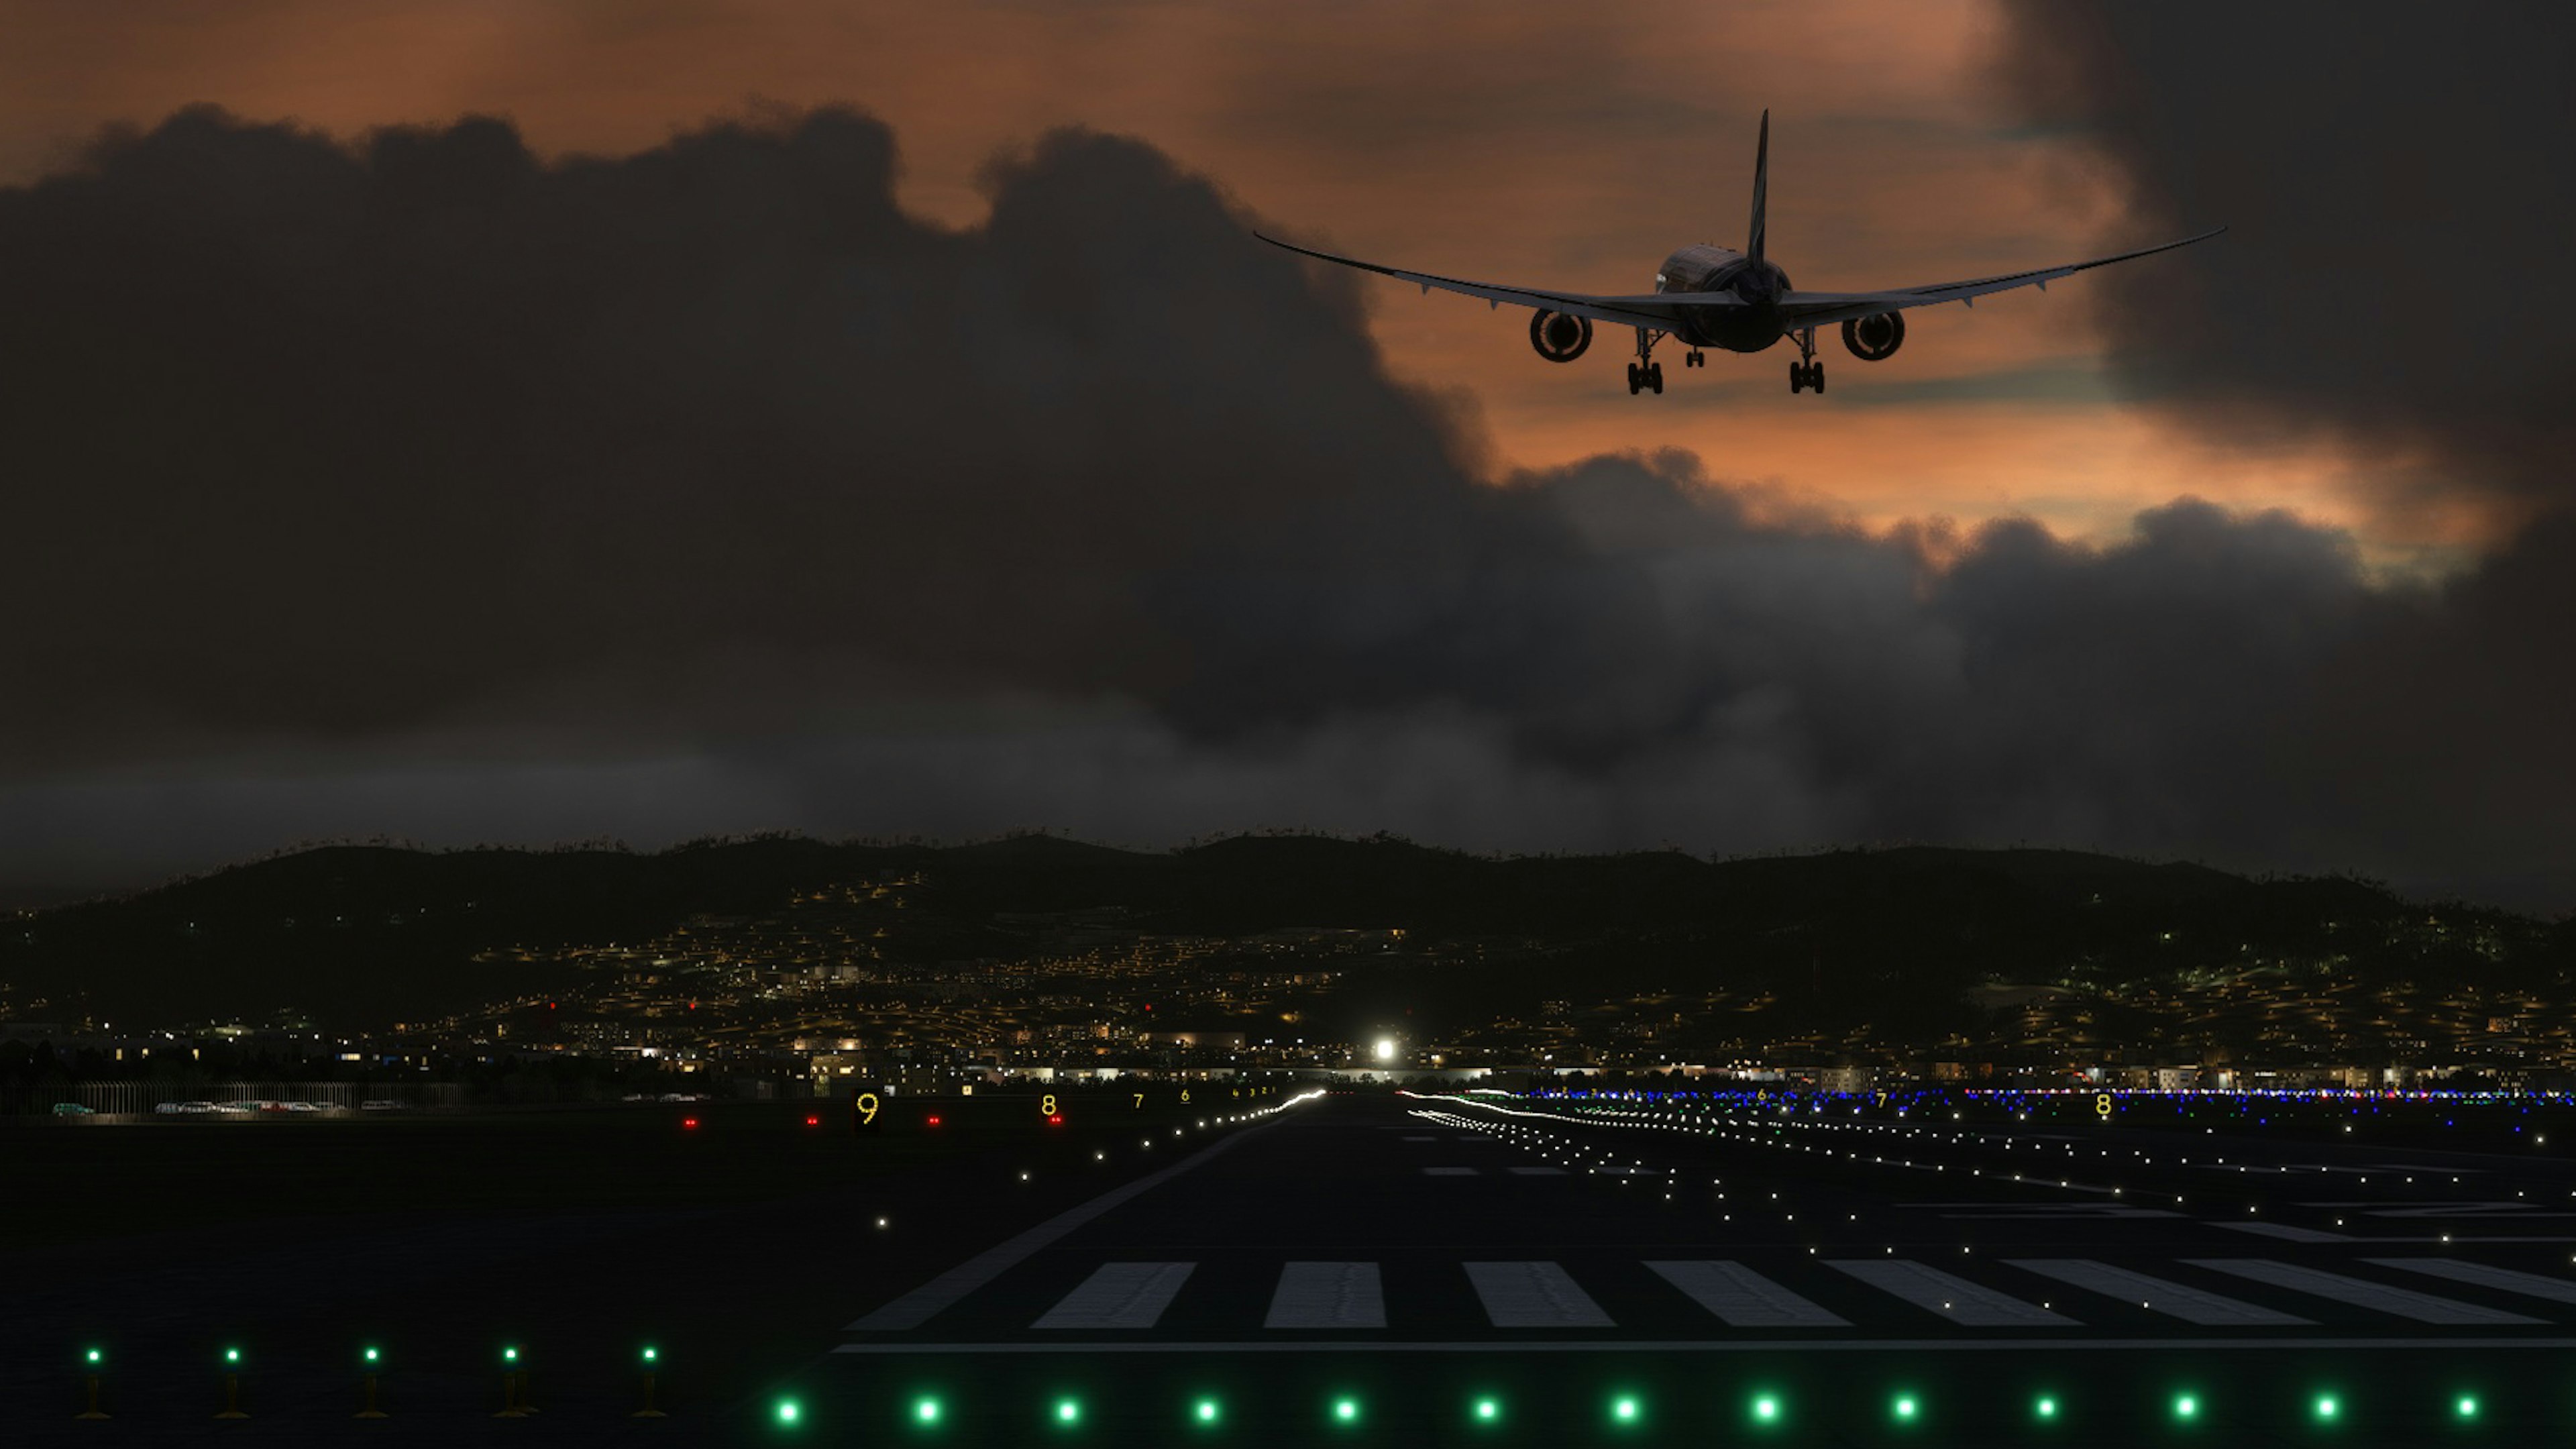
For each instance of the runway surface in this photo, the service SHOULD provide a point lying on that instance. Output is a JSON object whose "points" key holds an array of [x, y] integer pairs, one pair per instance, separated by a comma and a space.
{"points": [[1441, 1270]]}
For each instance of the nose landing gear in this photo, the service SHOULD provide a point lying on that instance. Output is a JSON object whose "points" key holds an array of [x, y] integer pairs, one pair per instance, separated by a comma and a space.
{"points": [[1694, 358]]}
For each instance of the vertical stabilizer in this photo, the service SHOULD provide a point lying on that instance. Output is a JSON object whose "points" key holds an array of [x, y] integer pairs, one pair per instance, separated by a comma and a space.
{"points": [[1761, 179]]}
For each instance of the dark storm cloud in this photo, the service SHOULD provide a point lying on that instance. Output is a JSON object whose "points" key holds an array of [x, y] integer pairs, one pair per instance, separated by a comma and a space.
{"points": [[323, 438], [2401, 188], [710, 476]]}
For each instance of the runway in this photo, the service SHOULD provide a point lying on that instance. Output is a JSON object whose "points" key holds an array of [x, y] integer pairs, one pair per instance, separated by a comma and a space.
{"points": [[1416, 1260]]}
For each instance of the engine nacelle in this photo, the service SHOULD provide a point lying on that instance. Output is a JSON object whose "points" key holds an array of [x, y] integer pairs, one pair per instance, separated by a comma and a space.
{"points": [[1876, 337], [1558, 337]]}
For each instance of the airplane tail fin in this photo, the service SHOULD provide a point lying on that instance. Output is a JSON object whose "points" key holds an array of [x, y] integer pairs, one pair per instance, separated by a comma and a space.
{"points": [[1761, 179]]}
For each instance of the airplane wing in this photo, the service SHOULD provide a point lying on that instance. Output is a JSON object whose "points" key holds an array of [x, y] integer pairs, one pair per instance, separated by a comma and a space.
{"points": [[1659, 310], [1818, 309]]}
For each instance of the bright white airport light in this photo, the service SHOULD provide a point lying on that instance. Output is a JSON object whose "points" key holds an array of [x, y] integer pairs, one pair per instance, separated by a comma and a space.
{"points": [[1386, 1048]]}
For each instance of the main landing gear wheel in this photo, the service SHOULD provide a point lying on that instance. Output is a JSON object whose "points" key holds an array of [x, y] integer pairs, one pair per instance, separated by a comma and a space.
{"points": [[1655, 377], [1636, 379]]}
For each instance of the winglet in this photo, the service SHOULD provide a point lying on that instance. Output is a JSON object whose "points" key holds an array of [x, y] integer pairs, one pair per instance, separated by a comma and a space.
{"points": [[1761, 184]]}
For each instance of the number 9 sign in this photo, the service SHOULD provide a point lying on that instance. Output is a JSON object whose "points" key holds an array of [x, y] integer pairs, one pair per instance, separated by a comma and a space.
{"points": [[863, 1112]]}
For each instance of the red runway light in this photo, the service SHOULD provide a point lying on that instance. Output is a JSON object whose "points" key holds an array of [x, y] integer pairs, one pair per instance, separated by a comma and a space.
{"points": [[934, 1119], [689, 1122], [1056, 1121], [813, 1121]]}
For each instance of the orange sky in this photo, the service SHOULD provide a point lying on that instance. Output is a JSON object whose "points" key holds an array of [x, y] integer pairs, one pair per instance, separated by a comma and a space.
{"points": [[1533, 144]]}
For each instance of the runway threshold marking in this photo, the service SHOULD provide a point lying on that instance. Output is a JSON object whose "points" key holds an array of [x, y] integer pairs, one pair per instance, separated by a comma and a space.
{"points": [[1744, 1298], [2175, 1300], [916, 1307], [2361, 1292], [1119, 1295], [1534, 1295], [1715, 1345], [1971, 1305], [1328, 1295], [2530, 1285]]}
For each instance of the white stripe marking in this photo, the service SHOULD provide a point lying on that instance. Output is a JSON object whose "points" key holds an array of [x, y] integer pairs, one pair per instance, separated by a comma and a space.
{"points": [[2530, 1285], [1955, 1299], [2174, 1300], [2287, 1233], [1448, 1172], [2360, 1292], [1744, 1298], [1119, 1295], [1534, 1295], [1328, 1295]]}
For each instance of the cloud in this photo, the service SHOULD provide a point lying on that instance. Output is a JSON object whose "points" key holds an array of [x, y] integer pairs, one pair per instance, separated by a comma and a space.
{"points": [[426, 487]]}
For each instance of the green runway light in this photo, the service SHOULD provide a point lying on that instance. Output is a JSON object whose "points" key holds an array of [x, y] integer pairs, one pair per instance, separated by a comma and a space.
{"points": [[1766, 1409], [926, 1411], [95, 1357], [371, 1355], [1624, 1410], [232, 1355], [1346, 1411], [789, 1412], [2186, 1407], [2046, 1408], [2466, 1408], [1487, 1411], [652, 1355], [1904, 1407], [1067, 1411], [2327, 1408], [510, 1354], [1206, 1411]]}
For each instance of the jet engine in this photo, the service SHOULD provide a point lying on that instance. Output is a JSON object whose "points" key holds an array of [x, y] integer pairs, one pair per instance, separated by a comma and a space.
{"points": [[1876, 337], [1558, 337]]}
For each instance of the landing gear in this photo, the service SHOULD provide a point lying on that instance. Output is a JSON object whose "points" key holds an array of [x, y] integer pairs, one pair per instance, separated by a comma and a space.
{"points": [[1694, 358], [1807, 372], [1645, 374]]}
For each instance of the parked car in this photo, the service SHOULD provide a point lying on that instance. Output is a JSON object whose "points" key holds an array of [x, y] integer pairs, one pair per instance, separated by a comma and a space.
{"points": [[380, 1104], [73, 1109]]}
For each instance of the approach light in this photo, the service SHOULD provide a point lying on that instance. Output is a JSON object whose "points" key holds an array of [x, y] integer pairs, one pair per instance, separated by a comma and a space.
{"points": [[371, 1355], [925, 1411], [652, 1354], [2326, 1407], [1346, 1411], [232, 1355], [1068, 1411], [1205, 1412], [1904, 1407], [95, 1357], [1624, 1410], [2046, 1408], [510, 1354], [2186, 1407], [1488, 1410], [789, 1412], [1766, 1409], [2466, 1408]]}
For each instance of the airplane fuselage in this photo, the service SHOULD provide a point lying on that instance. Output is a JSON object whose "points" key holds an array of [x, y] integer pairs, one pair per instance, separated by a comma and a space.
{"points": [[1705, 268]]}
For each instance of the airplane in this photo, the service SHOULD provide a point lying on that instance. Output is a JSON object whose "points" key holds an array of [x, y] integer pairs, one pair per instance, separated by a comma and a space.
{"points": [[1710, 296]]}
